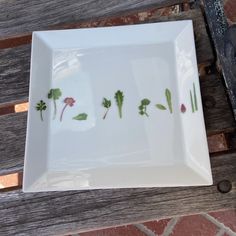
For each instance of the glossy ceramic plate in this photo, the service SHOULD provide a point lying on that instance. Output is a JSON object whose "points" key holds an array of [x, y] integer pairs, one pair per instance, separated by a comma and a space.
{"points": [[115, 107]]}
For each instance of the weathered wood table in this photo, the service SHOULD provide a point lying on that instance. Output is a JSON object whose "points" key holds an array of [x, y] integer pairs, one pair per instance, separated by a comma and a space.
{"points": [[59, 213]]}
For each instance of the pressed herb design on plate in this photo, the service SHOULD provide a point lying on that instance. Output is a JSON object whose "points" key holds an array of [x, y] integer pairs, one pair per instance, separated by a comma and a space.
{"points": [[183, 108], [54, 94], [107, 104], [168, 100], [119, 97], [160, 106], [193, 99], [143, 107], [81, 116], [41, 106], [68, 102]]}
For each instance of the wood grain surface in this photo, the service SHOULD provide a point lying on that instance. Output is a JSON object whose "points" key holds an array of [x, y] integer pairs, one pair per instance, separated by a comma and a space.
{"points": [[12, 142], [61, 213], [224, 38], [217, 111], [218, 118], [19, 17], [15, 62]]}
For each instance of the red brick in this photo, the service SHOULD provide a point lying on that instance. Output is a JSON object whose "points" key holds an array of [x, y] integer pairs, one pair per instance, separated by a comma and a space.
{"points": [[230, 10], [228, 218], [157, 226], [195, 225], [129, 230]]}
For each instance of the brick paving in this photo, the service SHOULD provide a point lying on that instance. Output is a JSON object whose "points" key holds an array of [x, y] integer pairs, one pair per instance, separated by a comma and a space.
{"points": [[212, 224]]}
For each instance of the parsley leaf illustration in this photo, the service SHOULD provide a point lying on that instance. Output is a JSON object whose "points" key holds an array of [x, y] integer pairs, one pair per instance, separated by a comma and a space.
{"points": [[41, 106], [107, 104]]}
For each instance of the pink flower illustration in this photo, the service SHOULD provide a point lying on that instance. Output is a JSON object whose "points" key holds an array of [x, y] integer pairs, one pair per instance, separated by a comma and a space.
{"points": [[68, 102]]}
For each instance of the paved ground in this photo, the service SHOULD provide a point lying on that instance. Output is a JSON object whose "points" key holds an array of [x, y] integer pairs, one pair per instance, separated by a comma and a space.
{"points": [[211, 224]]}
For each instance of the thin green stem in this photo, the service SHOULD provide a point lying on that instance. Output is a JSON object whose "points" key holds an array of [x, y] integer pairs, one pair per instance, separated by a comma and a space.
{"points": [[41, 115], [120, 112], [195, 97], [104, 117], [191, 97], [145, 111], [55, 109]]}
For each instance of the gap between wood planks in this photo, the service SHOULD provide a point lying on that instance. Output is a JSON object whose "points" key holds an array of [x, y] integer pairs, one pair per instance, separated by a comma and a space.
{"points": [[14, 108]]}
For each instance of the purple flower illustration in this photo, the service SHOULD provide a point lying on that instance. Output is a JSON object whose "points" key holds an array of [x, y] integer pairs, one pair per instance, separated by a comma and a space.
{"points": [[183, 108]]}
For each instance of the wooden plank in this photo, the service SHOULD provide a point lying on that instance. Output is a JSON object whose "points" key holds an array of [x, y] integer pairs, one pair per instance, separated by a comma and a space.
{"points": [[15, 62], [217, 112], [62, 213], [218, 118], [224, 38], [22, 17], [12, 138], [14, 74]]}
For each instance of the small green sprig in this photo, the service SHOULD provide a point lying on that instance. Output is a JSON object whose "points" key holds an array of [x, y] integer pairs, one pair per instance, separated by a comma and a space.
{"points": [[143, 107], [41, 106], [168, 100], [119, 97], [106, 104]]}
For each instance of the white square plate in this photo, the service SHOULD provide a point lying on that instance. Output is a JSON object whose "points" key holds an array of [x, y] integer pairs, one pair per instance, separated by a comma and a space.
{"points": [[153, 134]]}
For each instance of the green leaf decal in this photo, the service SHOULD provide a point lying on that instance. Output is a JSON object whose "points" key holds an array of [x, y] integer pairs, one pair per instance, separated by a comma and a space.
{"points": [[81, 116], [191, 98], [195, 97], [168, 99], [107, 104], [54, 94], [41, 106], [160, 106], [143, 106], [145, 102], [119, 97]]}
